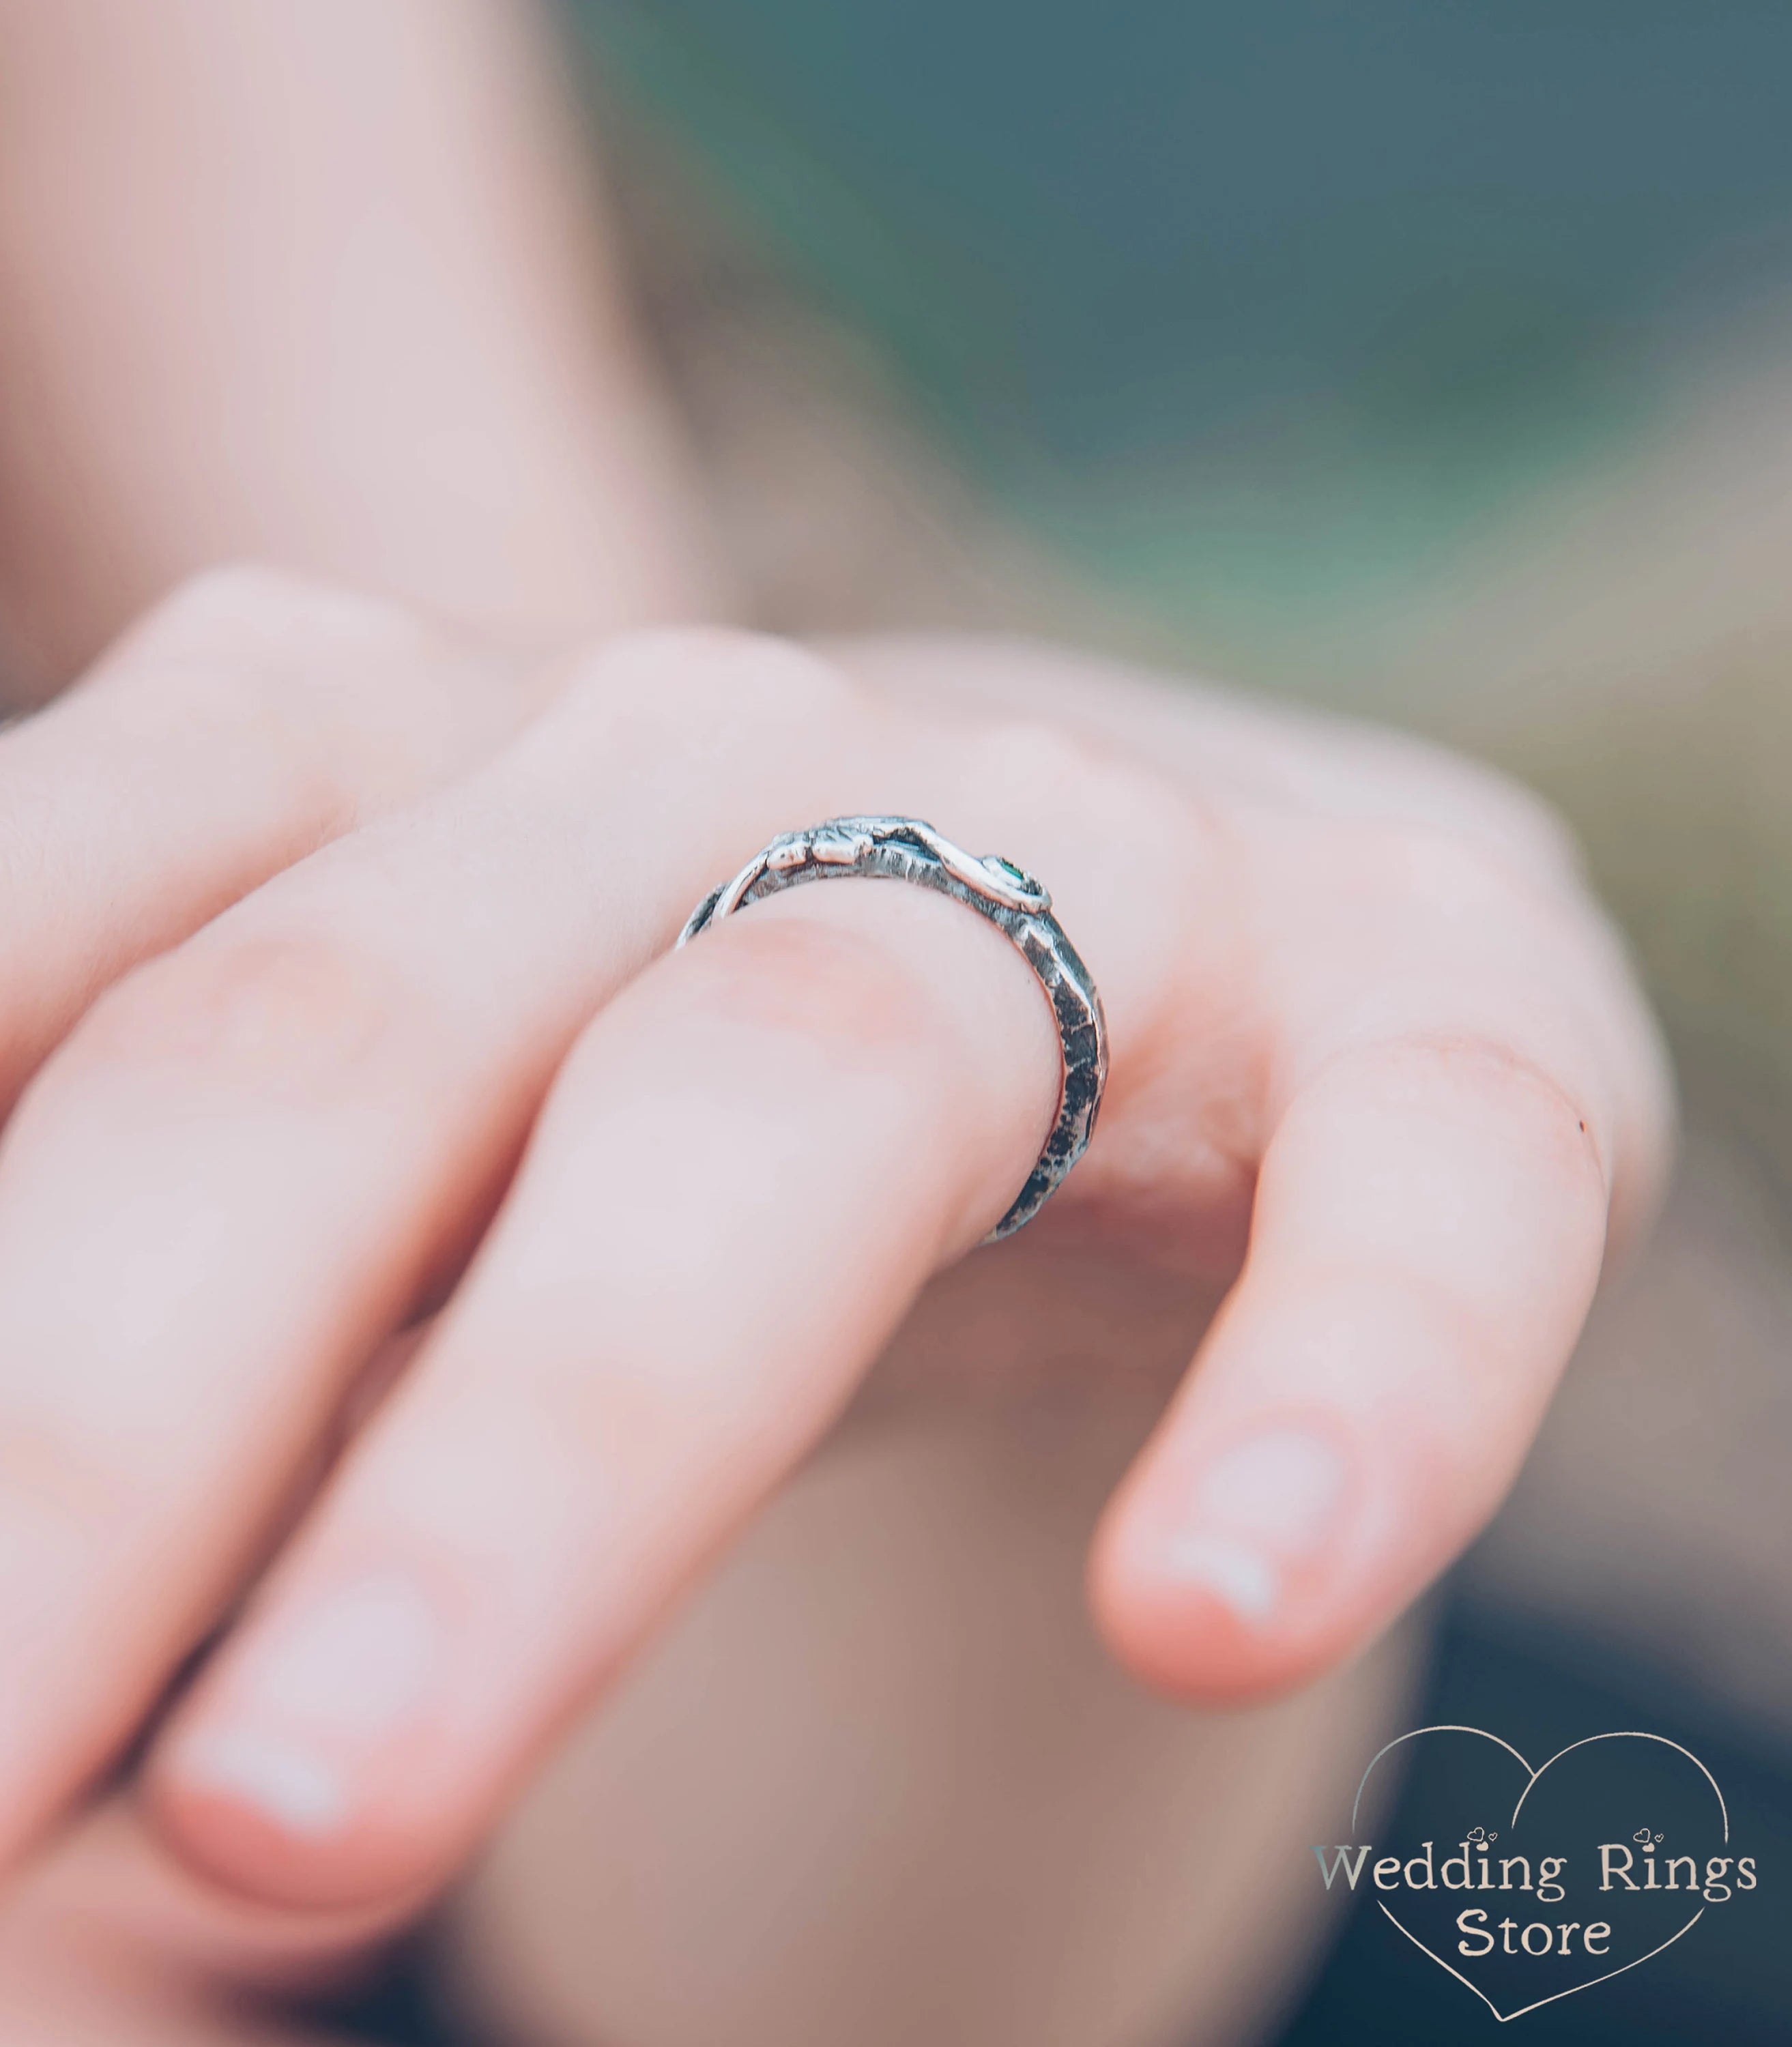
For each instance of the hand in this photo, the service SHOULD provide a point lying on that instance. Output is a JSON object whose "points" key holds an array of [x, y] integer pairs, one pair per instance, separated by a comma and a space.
{"points": [[1365, 1025]]}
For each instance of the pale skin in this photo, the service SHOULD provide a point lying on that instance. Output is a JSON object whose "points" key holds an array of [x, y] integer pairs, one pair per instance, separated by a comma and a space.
{"points": [[415, 1275]]}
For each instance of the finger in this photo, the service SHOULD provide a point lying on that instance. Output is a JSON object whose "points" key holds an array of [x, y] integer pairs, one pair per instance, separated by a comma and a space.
{"points": [[248, 720], [107, 1887], [752, 1161], [271, 1140], [1430, 1222], [102, 1952]]}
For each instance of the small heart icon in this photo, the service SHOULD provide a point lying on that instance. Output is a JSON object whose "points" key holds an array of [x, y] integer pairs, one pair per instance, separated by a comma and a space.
{"points": [[1577, 1891]]}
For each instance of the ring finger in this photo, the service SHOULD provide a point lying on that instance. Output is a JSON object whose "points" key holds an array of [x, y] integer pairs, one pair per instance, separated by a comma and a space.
{"points": [[753, 1161]]}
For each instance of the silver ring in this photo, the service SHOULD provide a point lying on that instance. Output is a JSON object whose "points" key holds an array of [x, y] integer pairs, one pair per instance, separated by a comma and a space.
{"points": [[906, 849]]}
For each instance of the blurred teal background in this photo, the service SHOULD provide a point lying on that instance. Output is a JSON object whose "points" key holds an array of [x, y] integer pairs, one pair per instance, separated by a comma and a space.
{"points": [[1260, 309]]}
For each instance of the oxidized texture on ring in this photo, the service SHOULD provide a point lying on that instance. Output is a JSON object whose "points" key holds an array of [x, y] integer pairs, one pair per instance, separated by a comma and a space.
{"points": [[906, 849]]}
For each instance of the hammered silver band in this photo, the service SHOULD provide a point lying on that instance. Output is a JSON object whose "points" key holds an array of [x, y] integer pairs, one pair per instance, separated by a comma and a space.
{"points": [[906, 849]]}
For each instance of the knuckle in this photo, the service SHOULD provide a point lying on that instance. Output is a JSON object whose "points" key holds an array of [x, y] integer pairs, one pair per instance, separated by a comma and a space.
{"points": [[298, 666], [692, 687], [1407, 778], [266, 1014], [1034, 769], [219, 604], [1428, 871], [342, 703], [1500, 1083], [1037, 764], [1513, 822], [243, 611]]}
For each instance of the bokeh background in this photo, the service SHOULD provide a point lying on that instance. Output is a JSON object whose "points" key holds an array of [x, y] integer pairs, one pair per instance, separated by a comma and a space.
{"points": [[1429, 360]]}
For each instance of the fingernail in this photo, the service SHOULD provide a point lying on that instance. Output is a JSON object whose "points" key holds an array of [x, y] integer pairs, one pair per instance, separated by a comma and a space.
{"points": [[312, 1701], [292, 1787], [1255, 1515]]}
